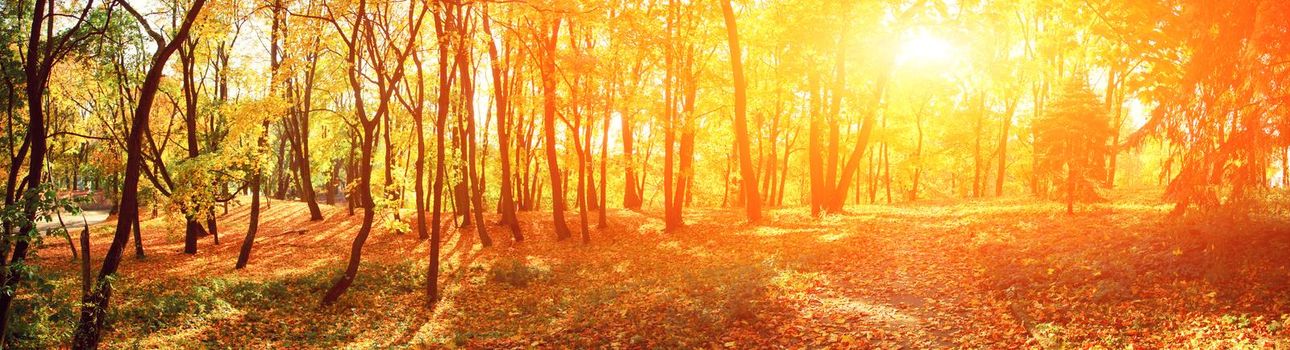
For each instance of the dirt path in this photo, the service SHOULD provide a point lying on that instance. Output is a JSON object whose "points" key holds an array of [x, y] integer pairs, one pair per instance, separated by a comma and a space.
{"points": [[76, 221]]}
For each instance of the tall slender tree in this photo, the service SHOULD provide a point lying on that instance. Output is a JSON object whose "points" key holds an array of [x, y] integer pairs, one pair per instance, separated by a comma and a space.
{"points": [[94, 305]]}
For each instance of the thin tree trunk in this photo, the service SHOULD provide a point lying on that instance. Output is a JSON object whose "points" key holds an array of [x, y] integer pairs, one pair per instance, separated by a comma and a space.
{"points": [[631, 197], [94, 305], [752, 202], [866, 129], [257, 178], [466, 75], [1003, 148], [501, 91], [978, 166], [419, 175], [300, 144], [441, 120], [193, 228], [602, 221], [918, 158], [815, 150], [386, 85], [548, 128]]}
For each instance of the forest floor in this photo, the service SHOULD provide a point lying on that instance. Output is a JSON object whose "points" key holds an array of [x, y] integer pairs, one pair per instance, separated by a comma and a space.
{"points": [[1003, 273]]}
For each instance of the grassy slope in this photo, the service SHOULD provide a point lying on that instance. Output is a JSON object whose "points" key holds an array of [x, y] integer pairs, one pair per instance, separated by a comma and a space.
{"points": [[1002, 273]]}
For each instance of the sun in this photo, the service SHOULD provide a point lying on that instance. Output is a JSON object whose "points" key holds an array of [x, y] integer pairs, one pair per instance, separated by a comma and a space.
{"points": [[927, 48]]}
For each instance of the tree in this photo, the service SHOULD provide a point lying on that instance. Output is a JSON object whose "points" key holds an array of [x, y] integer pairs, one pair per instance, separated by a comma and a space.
{"points": [[1072, 138], [446, 75], [24, 199], [547, 40], [365, 39], [503, 79], [262, 143], [94, 304], [469, 145], [752, 201]]}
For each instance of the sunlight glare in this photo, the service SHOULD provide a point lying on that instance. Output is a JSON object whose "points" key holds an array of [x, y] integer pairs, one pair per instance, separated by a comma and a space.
{"points": [[924, 47]]}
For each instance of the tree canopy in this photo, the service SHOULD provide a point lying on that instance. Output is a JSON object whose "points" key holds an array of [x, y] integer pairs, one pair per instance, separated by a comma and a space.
{"points": [[425, 116]]}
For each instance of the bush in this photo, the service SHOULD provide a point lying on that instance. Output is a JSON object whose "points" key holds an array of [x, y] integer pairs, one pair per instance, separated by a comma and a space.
{"points": [[43, 318]]}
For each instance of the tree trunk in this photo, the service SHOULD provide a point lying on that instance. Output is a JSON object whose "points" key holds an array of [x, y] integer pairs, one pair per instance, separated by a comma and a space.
{"points": [[815, 150], [138, 239], [584, 195], [257, 178], [299, 125], [441, 120], [94, 306], [466, 76], [548, 128], [356, 248], [978, 168], [752, 202], [1070, 189], [193, 229], [418, 108], [886, 170], [631, 197], [602, 221], [501, 92], [386, 86], [1003, 148], [36, 78], [918, 158]]}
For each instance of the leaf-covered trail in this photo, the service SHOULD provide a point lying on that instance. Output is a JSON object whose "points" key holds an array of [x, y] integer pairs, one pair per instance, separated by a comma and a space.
{"points": [[1002, 273]]}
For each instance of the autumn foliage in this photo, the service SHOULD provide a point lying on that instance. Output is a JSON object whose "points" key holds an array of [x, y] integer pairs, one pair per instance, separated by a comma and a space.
{"points": [[644, 174]]}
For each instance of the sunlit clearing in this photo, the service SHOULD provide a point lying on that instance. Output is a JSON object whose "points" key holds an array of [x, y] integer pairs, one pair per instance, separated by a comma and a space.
{"points": [[923, 47]]}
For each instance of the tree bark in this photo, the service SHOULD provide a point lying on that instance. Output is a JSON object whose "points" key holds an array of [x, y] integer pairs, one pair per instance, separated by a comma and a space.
{"points": [[752, 202], [631, 194], [299, 126], [466, 74], [815, 150], [441, 119], [502, 80], [547, 65]]}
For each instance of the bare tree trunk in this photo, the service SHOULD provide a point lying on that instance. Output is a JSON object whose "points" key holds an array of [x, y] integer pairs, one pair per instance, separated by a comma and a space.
{"points": [[298, 124], [631, 196], [502, 81], [977, 163], [918, 158], [466, 75], [815, 150], [418, 107], [752, 202], [548, 127], [386, 85], [1003, 148], [602, 221], [866, 129], [441, 120], [138, 240]]}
